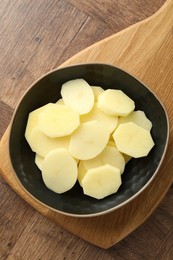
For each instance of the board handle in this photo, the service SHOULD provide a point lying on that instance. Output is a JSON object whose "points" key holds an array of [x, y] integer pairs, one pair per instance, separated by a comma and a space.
{"points": [[163, 16], [165, 8], [139, 42]]}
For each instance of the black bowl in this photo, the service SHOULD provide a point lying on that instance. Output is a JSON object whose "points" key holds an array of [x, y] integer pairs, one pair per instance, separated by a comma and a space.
{"points": [[138, 172]]}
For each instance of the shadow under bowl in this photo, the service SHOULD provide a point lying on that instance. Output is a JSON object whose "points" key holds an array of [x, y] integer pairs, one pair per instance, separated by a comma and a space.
{"points": [[138, 172]]}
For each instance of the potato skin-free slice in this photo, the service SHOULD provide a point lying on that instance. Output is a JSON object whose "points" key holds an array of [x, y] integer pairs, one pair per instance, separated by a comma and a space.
{"points": [[42, 144], [59, 171], [81, 172], [115, 102], [88, 140], [32, 121], [101, 181], [138, 117], [112, 143], [39, 161], [110, 155], [58, 120], [108, 121], [78, 94], [97, 90], [127, 157], [133, 140]]}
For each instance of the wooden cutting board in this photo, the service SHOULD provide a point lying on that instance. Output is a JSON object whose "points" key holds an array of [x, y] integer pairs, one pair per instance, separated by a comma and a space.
{"points": [[145, 50]]}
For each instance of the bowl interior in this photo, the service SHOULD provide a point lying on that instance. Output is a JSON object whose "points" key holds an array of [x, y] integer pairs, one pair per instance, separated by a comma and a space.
{"points": [[138, 172]]}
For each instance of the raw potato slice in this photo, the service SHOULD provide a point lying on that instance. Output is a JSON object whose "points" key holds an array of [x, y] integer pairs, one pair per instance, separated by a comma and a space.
{"points": [[39, 161], [133, 140], [33, 120], [77, 160], [112, 143], [58, 120], [91, 164], [137, 117], [127, 157], [110, 155], [81, 172], [102, 181], [59, 171], [97, 91], [115, 102], [42, 144], [108, 121], [79, 95], [88, 140]]}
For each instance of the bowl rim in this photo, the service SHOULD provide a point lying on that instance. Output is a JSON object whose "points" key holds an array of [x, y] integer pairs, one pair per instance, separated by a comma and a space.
{"points": [[101, 213]]}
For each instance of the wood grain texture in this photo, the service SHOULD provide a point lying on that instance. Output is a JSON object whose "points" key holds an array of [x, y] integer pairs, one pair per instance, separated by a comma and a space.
{"points": [[5, 117], [39, 42], [108, 11], [29, 231]]}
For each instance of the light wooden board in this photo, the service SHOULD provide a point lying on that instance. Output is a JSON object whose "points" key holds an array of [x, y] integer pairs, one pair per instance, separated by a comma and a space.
{"points": [[146, 51]]}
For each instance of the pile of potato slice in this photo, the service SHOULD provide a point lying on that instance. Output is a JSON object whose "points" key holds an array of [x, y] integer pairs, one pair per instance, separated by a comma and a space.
{"points": [[88, 135]]}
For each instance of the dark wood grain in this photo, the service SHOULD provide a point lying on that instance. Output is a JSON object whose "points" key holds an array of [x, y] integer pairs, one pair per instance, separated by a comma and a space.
{"points": [[36, 36], [117, 14], [5, 117]]}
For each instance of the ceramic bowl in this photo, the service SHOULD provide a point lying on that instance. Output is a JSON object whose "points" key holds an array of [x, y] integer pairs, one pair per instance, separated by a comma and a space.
{"points": [[138, 172]]}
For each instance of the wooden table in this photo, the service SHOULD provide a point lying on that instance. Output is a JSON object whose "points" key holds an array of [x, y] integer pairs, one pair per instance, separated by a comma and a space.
{"points": [[36, 37]]}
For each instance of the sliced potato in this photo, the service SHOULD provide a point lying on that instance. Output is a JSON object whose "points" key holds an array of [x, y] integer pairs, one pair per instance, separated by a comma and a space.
{"points": [[108, 121], [139, 118], [110, 155], [81, 172], [127, 157], [112, 143], [59, 171], [133, 140], [92, 163], [115, 102], [42, 144], [57, 121], [101, 181], [32, 121], [88, 140], [79, 95], [39, 161], [97, 91]]}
